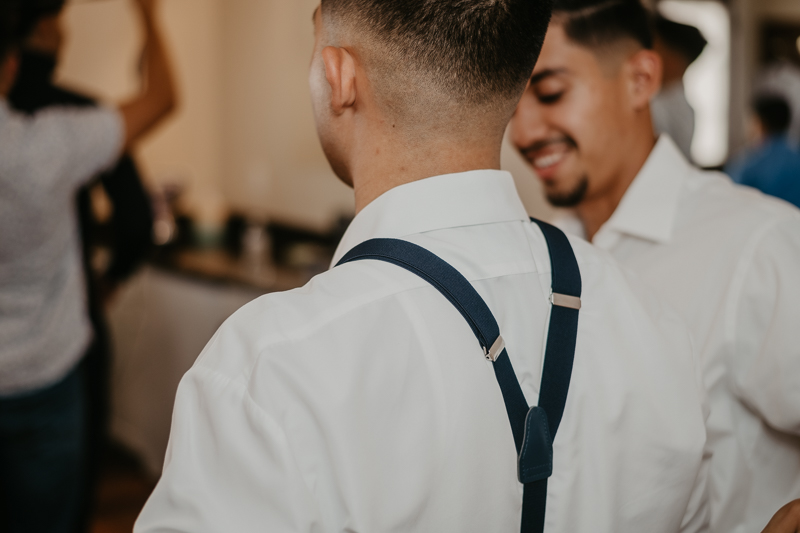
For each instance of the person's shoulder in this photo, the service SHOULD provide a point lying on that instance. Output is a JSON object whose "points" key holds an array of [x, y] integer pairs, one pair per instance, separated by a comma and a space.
{"points": [[60, 126], [713, 195], [270, 326], [615, 296]]}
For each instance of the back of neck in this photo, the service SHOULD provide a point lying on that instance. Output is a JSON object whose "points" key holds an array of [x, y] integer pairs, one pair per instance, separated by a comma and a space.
{"points": [[378, 170]]}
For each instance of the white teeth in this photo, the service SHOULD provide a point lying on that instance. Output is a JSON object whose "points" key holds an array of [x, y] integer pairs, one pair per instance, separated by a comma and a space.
{"points": [[548, 160]]}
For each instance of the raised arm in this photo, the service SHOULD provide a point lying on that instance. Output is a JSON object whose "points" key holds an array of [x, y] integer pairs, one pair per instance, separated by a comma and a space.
{"points": [[158, 98]]}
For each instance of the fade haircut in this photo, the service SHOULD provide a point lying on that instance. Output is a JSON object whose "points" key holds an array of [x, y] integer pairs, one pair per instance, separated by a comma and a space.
{"points": [[474, 52], [601, 23]]}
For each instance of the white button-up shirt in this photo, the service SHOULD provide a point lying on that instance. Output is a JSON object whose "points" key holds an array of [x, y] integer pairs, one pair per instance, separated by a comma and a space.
{"points": [[362, 402], [727, 258]]}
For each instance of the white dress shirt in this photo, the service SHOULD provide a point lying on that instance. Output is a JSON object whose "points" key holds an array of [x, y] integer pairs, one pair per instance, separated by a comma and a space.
{"points": [[44, 159], [362, 402], [728, 259]]}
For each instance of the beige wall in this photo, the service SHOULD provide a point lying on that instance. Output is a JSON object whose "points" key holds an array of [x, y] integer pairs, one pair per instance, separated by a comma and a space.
{"points": [[270, 151], [244, 135], [101, 56]]}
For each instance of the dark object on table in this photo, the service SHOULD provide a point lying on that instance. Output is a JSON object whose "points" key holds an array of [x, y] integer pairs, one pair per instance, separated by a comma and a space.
{"points": [[284, 237]]}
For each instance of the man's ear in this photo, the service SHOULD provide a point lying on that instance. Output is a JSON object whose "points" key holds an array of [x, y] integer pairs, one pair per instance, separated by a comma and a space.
{"points": [[340, 71], [644, 72]]}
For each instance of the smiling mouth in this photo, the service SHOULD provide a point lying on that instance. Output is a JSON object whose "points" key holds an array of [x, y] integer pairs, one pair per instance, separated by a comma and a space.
{"points": [[546, 156], [548, 160]]}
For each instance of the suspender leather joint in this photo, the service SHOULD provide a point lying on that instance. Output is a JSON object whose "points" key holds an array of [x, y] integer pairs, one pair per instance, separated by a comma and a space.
{"points": [[535, 462]]}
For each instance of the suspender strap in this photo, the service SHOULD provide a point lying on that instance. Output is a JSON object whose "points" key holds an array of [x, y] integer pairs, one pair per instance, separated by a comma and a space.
{"points": [[453, 286], [559, 357], [563, 331], [533, 428]]}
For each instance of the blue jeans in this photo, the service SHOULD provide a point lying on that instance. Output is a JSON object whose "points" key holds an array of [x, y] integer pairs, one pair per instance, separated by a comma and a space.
{"points": [[42, 458]]}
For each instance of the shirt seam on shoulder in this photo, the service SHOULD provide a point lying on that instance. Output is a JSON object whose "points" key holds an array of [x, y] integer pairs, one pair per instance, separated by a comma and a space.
{"points": [[741, 272], [228, 381]]}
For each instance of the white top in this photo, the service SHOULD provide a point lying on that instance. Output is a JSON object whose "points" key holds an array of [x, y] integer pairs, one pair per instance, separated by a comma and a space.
{"points": [[728, 258], [44, 327], [362, 402], [674, 116]]}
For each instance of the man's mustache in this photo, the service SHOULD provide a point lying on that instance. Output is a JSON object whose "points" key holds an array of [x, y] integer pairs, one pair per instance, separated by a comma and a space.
{"points": [[539, 145]]}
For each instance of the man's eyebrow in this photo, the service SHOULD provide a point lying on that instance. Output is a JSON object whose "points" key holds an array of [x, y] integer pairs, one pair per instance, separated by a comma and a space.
{"points": [[539, 76]]}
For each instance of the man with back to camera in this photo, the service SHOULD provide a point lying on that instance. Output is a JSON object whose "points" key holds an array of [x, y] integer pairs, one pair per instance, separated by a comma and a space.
{"points": [[44, 159], [362, 401], [726, 257]]}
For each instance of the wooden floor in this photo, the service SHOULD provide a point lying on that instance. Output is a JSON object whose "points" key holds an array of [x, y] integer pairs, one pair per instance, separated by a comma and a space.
{"points": [[124, 489]]}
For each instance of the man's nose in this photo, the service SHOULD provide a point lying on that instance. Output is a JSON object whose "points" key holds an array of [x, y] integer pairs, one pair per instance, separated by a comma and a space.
{"points": [[528, 124]]}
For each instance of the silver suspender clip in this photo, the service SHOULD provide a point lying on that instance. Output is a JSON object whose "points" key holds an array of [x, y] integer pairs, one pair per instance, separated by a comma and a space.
{"points": [[496, 349], [563, 300]]}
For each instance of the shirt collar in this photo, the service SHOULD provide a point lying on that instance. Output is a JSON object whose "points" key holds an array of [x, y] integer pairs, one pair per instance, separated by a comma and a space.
{"points": [[447, 201], [649, 207]]}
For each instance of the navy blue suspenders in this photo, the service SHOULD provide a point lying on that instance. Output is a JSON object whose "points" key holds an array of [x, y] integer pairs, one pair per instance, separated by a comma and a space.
{"points": [[534, 428]]}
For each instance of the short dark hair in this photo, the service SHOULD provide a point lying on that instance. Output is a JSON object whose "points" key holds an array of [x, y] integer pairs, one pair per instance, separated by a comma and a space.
{"points": [[774, 113], [599, 23], [9, 27], [684, 39], [18, 18], [473, 50], [32, 11]]}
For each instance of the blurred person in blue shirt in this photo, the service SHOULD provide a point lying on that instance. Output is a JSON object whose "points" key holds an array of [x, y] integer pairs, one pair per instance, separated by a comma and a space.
{"points": [[773, 165]]}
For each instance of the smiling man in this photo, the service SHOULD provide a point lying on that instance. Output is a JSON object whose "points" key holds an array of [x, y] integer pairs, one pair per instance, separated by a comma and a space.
{"points": [[726, 257], [362, 401]]}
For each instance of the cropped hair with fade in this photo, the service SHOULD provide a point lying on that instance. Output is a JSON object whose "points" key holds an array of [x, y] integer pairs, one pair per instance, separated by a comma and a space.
{"points": [[599, 23], [475, 51]]}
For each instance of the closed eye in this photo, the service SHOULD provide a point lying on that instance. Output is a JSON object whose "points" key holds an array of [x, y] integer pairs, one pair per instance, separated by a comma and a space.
{"points": [[549, 98]]}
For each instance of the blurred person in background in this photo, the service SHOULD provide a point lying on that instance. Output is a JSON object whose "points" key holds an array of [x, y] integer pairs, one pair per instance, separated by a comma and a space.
{"points": [[726, 257], [131, 223], [783, 79], [44, 318], [679, 45], [773, 164]]}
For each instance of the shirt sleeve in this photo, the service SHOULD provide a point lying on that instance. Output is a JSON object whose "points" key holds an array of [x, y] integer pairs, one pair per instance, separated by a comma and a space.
{"points": [[766, 365], [228, 466], [70, 146]]}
